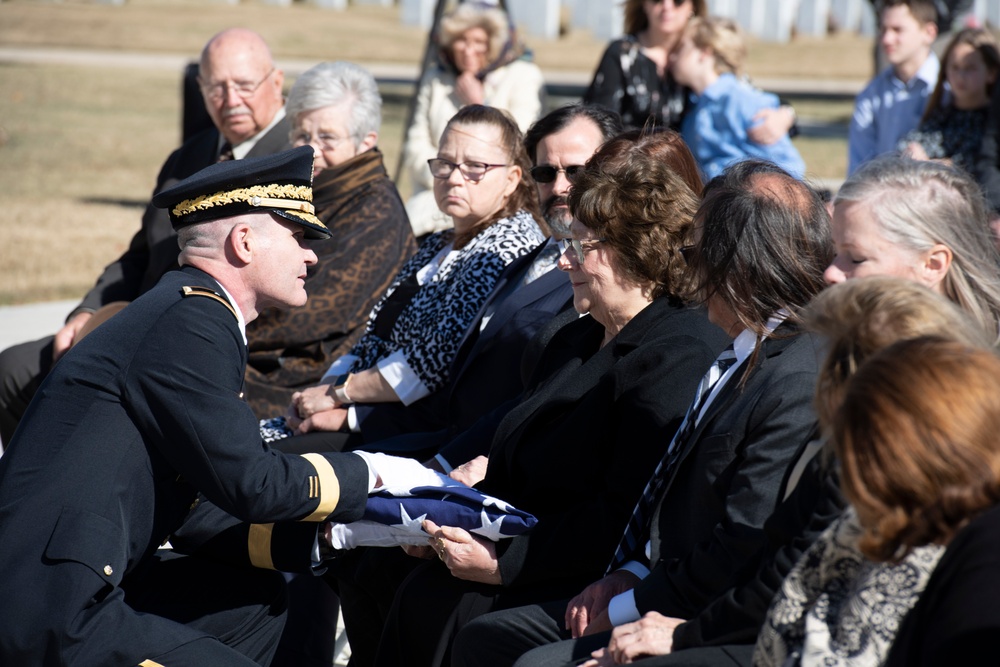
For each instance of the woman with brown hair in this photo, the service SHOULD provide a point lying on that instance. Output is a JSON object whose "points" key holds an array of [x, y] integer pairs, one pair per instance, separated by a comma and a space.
{"points": [[609, 391], [952, 126], [917, 460], [760, 244]]}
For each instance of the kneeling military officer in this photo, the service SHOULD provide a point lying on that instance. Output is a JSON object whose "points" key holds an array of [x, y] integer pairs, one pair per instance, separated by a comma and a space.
{"points": [[143, 414]]}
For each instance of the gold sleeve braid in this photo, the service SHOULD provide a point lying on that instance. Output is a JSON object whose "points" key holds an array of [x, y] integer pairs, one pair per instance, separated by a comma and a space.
{"points": [[323, 485], [259, 545]]}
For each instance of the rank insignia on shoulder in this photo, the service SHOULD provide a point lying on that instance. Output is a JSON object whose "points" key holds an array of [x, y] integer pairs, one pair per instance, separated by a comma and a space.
{"points": [[211, 294]]}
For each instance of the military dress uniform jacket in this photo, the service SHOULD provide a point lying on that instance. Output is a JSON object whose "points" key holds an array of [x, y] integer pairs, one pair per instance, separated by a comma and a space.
{"points": [[130, 425], [152, 252]]}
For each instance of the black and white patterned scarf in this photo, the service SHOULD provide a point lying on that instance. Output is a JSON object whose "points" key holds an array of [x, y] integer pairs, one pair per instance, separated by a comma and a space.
{"points": [[837, 608]]}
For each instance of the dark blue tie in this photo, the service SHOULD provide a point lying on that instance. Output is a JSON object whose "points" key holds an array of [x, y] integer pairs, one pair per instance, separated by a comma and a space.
{"points": [[638, 524]]}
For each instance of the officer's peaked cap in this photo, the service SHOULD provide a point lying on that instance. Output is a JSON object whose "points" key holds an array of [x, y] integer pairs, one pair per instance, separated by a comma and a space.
{"points": [[279, 184]]}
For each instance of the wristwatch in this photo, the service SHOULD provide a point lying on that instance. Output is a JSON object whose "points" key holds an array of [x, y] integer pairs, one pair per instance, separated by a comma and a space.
{"points": [[340, 389]]}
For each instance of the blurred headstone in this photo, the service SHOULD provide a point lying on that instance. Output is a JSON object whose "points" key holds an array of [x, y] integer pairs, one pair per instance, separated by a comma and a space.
{"points": [[725, 8], [339, 5], [539, 18], [779, 17], [813, 17], [868, 24], [416, 12], [751, 16], [607, 19], [990, 12], [847, 13]]}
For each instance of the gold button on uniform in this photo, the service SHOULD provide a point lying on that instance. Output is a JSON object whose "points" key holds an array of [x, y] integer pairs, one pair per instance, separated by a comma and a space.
{"points": [[108, 571]]}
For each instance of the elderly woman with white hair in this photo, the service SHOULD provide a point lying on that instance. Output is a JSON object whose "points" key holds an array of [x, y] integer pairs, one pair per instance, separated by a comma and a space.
{"points": [[479, 61], [335, 107]]}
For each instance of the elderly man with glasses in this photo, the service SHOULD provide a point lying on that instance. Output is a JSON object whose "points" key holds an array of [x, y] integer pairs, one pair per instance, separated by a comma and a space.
{"points": [[243, 95]]}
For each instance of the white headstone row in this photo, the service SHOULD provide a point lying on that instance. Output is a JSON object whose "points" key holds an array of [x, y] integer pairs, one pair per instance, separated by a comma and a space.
{"points": [[770, 20]]}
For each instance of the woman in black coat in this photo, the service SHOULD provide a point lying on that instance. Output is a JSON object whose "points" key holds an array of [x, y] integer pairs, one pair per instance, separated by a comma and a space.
{"points": [[582, 443]]}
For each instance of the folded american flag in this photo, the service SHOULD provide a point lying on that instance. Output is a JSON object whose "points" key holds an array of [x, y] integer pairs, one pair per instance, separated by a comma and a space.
{"points": [[394, 516]]}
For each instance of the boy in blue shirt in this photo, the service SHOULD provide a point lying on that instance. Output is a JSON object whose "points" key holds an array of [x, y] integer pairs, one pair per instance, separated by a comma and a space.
{"points": [[893, 102], [709, 60]]}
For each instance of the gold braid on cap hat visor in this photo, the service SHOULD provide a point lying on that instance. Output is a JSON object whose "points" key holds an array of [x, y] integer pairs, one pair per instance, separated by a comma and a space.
{"points": [[291, 197]]}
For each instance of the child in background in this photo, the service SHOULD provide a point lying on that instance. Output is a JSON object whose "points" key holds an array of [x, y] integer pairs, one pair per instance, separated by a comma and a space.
{"points": [[709, 60], [952, 125]]}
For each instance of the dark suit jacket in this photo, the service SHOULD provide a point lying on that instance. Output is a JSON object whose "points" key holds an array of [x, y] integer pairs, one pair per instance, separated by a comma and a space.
{"points": [[135, 420], [579, 448], [737, 615], [710, 518], [153, 250], [485, 372]]}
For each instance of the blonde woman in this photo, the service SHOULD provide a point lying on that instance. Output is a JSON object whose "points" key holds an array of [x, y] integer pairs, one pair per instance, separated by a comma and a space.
{"points": [[480, 61], [924, 221]]}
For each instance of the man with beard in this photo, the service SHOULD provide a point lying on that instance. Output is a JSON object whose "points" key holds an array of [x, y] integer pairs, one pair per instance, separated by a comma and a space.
{"points": [[531, 301], [530, 298]]}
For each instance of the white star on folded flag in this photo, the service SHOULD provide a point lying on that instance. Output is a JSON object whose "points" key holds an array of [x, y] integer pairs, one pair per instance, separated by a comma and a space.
{"points": [[408, 524], [395, 515]]}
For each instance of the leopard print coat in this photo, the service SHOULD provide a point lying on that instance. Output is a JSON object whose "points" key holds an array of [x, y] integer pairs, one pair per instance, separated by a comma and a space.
{"points": [[371, 239], [429, 329]]}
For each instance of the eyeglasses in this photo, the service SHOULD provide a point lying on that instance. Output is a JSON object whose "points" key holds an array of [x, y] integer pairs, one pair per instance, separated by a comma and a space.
{"points": [[580, 248], [471, 171], [546, 173], [217, 91], [325, 140], [477, 45]]}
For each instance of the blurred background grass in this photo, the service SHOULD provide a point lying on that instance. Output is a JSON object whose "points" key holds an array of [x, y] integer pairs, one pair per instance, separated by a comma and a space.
{"points": [[80, 145]]}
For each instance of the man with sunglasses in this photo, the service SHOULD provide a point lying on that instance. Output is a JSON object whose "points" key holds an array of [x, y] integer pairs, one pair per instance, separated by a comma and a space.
{"points": [[242, 90], [530, 298], [530, 301]]}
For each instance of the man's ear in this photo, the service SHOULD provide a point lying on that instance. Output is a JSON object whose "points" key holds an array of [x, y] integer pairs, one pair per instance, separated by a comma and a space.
{"points": [[241, 242], [930, 32]]}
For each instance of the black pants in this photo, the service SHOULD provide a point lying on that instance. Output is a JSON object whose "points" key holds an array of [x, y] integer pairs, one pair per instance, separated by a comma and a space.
{"points": [[242, 609], [22, 369], [533, 636], [432, 608]]}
